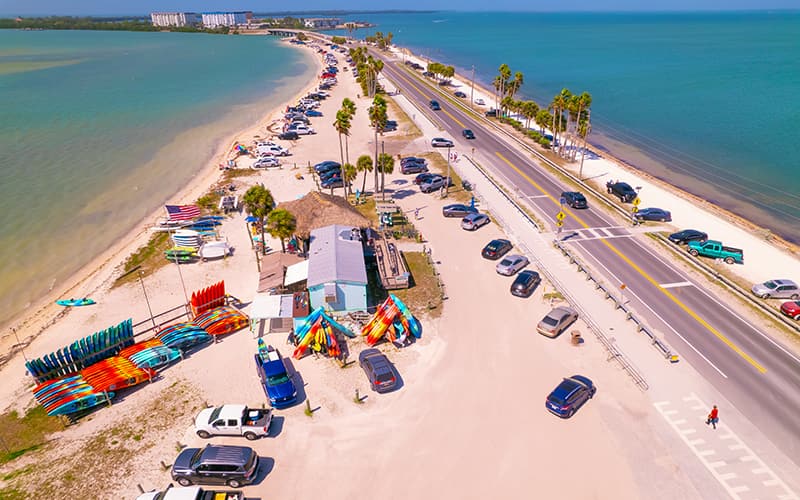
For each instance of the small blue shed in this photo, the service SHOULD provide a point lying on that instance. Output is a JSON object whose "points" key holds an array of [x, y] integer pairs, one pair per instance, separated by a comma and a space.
{"points": [[337, 275]]}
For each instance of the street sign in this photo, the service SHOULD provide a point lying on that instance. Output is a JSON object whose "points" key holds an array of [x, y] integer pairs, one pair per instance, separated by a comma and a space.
{"points": [[563, 201], [559, 223], [636, 201], [561, 216], [635, 209]]}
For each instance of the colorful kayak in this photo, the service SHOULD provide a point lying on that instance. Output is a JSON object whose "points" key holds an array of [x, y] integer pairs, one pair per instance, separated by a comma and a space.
{"points": [[75, 302]]}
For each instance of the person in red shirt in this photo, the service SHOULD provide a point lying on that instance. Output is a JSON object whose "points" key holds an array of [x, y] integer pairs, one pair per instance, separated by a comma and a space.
{"points": [[713, 417]]}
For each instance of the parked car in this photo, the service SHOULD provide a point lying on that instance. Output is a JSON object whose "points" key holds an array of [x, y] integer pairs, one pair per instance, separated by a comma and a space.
{"points": [[621, 190], [313, 112], [413, 168], [434, 184], [687, 235], [511, 264], [327, 165], [275, 380], [439, 142], [468, 134], [791, 309], [496, 249], [233, 420], [777, 289], [425, 177], [474, 221], [266, 162], [289, 136], [379, 370], [492, 113], [460, 94], [574, 199], [190, 493], [557, 321], [216, 464], [390, 126], [412, 159], [570, 395], [652, 213], [272, 149], [525, 283], [301, 129], [332, 183], [330, 174], [715, 250], [293, 118], [458, 210], [434, 105], [479, 102]]}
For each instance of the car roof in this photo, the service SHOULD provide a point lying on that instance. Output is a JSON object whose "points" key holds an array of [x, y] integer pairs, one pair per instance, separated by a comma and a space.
{"points": [[473, 216], [498, 242], [226, 454], [560, 312], [784, 282]]}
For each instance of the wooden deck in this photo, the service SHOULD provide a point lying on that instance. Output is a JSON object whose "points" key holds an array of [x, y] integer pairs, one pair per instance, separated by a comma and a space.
{"points": [[391, 266]]}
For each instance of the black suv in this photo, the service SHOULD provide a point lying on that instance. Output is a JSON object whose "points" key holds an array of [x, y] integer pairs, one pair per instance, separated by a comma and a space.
{"points": [[435, 105], [574, 199], [378, 369], [231, 465], [621, 190]]}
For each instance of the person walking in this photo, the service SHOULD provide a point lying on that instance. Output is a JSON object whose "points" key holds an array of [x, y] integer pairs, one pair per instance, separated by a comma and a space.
{"points": [[416, 213], [713, 417]]}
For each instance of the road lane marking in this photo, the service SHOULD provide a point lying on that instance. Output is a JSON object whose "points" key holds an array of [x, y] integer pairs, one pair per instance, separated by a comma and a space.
{"points": [[675, 285], [453, 118], [644, 274]]}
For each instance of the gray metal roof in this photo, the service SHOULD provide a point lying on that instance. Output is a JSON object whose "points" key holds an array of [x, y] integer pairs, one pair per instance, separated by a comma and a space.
{"points": [[334, 256]]}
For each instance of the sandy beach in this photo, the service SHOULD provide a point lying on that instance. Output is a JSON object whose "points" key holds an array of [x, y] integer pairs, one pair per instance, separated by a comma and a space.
{"points": [[468, 421]]}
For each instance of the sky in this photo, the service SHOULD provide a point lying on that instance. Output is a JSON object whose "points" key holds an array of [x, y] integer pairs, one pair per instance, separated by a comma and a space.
{"points": [[104, 7]]}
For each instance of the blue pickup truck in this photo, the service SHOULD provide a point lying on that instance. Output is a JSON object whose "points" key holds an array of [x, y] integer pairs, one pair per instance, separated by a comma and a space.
{"points": [[277, 383]]}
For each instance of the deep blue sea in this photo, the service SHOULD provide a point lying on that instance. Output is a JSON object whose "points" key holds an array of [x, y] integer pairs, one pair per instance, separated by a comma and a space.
{"points": [[709, 102], [98, 129]]}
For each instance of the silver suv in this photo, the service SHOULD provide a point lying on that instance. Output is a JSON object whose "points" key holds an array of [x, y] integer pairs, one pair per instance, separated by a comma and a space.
{"points": [[777, 289]]}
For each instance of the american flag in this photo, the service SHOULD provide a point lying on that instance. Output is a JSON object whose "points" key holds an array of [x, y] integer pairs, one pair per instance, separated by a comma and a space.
{"points": [[182, 212]]}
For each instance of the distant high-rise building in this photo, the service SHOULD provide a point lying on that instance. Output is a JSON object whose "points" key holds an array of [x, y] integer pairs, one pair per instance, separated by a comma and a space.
{"points": [[174, 18], [216, 19]]}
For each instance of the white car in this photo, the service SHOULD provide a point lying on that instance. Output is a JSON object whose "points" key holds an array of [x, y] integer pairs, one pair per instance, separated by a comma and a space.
{"points": [[301, 129], [440, 142], [511, 264], [480, 102], [272, 150], [266, 162]]}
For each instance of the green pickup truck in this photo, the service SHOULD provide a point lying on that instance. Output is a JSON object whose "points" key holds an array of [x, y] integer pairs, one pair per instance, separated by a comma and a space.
{"points": [[716, 250]]}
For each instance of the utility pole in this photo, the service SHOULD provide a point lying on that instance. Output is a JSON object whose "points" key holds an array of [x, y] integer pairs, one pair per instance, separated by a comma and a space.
{"points": [[472, 88], [447, 179], [147, 300], [583, 153]]}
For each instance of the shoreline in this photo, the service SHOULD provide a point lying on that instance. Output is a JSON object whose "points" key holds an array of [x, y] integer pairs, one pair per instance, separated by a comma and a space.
{"points": [[22, 328], [769, 235]]}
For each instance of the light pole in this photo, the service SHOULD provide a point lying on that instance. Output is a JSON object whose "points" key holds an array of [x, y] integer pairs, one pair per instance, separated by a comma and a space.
{"points": [[447, 179], [146, 299], [472, 88], [588, 128]]}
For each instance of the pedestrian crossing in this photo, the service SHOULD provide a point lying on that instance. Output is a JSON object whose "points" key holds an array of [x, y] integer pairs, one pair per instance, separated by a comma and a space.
{"points": [[594, 233]]}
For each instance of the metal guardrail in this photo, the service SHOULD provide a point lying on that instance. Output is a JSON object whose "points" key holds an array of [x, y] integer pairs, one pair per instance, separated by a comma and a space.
{"points": [[614, 351]]}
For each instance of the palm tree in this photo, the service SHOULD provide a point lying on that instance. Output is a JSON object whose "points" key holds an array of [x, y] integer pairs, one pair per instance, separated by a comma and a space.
{"points": [[349, 173], [543, 118], [348, 107], [377, 120], [282, 225], [385, 166], [342, 126], [258, 202], [582, 103], [558, 105], [364, 164], [515, 84]]}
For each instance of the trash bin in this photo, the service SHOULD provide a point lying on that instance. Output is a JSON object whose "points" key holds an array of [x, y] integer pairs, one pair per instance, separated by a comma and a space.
{"points": [[576, 338]]}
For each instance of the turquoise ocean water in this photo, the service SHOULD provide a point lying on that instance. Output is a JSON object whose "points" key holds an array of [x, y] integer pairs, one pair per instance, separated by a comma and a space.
{"points": [[706, 101], [98, 129]]}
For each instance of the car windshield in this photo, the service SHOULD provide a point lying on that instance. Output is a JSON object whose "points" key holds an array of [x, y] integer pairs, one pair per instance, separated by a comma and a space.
{"points": [[771, 285], [494, 245], [549, 320], [277, 379]]}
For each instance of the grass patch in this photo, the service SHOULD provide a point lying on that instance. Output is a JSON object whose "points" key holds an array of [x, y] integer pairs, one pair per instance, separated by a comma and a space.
{"points": [[424, 295], [27, 434], [407, 130], [148, 259], [367, 209], [438, 164]]}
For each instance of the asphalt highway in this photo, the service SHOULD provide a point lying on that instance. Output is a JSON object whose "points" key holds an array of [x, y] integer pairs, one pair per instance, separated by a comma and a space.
{"points": [[753, 371]]}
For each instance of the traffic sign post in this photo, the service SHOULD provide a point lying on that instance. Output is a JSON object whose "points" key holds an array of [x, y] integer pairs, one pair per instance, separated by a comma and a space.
{"points": [[560, 225], [622, 288], [560, 216], [563, 201], [636, 201]]}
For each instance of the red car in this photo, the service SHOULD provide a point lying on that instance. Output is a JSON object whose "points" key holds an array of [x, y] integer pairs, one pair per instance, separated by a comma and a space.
{"points": [[791, 309], [328, 75]]}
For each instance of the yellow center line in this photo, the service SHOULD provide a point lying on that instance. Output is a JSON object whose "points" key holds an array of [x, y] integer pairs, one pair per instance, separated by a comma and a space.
{"points": [[646, 276], [427, 97]]}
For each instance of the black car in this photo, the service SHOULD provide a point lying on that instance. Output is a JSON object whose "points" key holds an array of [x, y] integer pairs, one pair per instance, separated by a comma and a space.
{"points": [[324, 166], [330, 174], [435, 105], [379, 370], [425, 177], [570, 395], [574, 199], [621, 190], [687, 235], [413, 168], [496, 249], [412, 159], [230, 465], [458, 210], [525, 283], [468, 134], [492, 113], [652, 213], [289, 136], [335, 182], [460, 94]]}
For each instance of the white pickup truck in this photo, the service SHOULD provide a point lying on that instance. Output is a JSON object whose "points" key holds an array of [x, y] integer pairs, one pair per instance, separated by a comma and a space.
{"points": [[191, 493], [233, 420]]}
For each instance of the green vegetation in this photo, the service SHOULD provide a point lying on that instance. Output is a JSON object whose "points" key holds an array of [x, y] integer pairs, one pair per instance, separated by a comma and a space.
{"points": [[377, 120], [439, 165], [101, 24], [382, 41], [407, 130], [425, 293], [147, 259], [368, 70], [281, 224], [441, 72], [19, 436], [364, 164], [258, 202], [339, 40], [367, 208]]}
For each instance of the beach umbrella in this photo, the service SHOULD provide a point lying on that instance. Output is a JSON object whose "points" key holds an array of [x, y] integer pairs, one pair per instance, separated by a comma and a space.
{"points": [[251, 218]]}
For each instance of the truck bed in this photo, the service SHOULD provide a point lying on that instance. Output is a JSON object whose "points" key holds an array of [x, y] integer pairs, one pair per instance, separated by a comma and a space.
{"points": [[222, 495]]}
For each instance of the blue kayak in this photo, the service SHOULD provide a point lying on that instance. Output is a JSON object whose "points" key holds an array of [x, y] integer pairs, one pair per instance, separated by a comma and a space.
{"points": [[75, 302]]}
